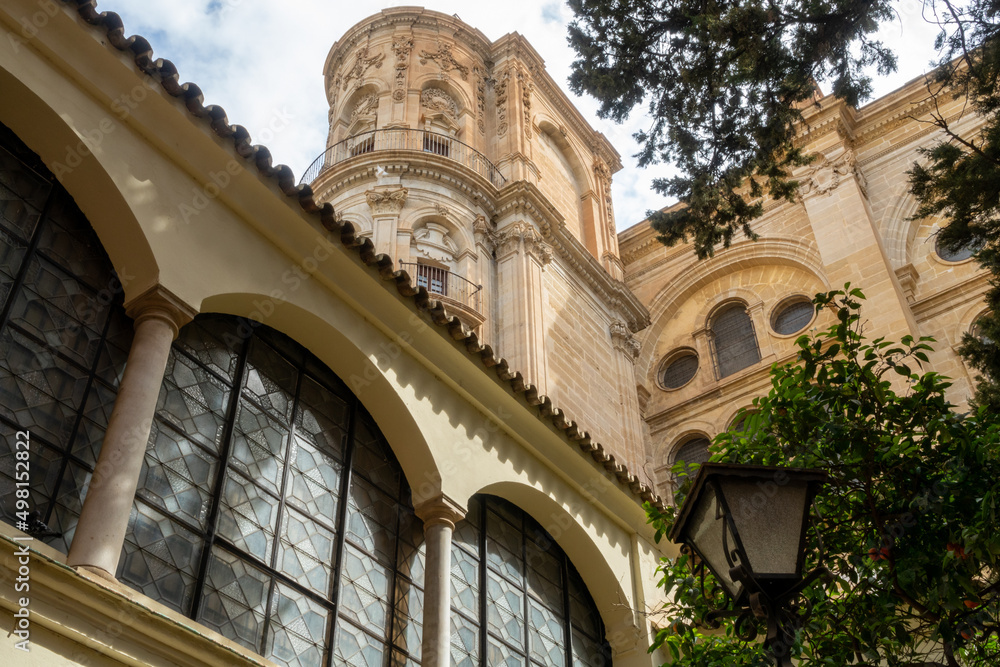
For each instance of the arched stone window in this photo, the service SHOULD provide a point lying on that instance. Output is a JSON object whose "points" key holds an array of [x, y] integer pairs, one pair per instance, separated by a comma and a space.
{"points": [[64, 338], [516, 597], [693, 452], [734, 342], [270, 507]]}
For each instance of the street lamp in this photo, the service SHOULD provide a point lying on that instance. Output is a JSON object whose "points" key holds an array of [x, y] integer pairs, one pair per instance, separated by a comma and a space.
{"points": [[748, 525]]}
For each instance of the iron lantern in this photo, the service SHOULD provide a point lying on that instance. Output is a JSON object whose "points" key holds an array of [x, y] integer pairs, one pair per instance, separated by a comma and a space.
{"points": [[747, 524]]}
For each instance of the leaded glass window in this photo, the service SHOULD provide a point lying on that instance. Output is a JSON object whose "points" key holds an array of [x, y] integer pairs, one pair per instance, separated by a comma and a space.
{"points": [[271, 509], [792, 315], [733, 340], [680, 370], [950, 254], [516, 598], [64, 338]]}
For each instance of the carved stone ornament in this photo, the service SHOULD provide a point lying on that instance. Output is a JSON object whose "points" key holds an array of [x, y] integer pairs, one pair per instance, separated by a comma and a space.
{"points": [[527, 87], [825, 175], [501, 100], [521, 235], [367, 105], [362, 63], [433, 242], [481, 77], [623, 340], [401, 46], [484, 232], [445, 60], [438, 101], [386, 202], [603, 173]]}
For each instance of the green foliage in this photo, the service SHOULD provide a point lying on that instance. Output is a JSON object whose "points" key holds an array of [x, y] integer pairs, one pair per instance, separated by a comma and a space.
{"points": [[907, 523]]}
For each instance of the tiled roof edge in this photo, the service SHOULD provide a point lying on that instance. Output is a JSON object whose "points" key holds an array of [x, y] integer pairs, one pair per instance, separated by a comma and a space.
{"points": [[166, 73]]}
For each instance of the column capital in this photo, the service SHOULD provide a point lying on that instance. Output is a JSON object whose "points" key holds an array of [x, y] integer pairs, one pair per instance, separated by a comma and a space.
{"points": [[386, 200], [440, 510], [160, 303]]}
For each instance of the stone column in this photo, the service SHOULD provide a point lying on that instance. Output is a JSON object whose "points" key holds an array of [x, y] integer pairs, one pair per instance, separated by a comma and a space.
{"points": [[100, 533], [386, 203], [521, 257], [440, 515], [626, 352]]}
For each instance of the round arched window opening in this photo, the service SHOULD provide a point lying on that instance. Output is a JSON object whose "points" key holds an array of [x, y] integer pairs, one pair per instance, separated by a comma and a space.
{"points": [[679, 369], [516, 597], [792, 315], [957, 255], [692, 452], [734, 341]]}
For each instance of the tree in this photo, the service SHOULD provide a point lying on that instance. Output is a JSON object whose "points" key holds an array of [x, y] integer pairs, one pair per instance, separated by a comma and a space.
{"points": [[907, 523], [726, 82]]}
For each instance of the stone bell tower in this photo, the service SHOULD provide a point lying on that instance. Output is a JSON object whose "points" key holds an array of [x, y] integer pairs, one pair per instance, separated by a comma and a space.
{"points": [[461, 159]]}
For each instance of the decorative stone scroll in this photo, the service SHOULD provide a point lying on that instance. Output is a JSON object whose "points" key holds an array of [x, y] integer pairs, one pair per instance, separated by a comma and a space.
{"points": [[603, 173], [401, 46], [527, 87], [367, 105], [501, 99], [522, 235], [481, 77], [438, 101], [623, 340], [825, 175], [445, 60], [362, 63], [386, 202]]}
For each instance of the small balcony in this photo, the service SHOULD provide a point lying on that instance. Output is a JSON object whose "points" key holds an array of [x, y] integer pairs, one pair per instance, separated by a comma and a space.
{"points": [[461, 297], [402, 139]]}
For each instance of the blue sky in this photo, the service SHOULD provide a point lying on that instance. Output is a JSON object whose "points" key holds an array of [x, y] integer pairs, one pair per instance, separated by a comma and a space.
{"points": [[262, 61]]}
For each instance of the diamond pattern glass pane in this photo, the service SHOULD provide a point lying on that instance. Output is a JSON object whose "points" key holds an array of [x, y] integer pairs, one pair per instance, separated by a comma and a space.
{"points": [[193, 400], [160, 558], [499, 655], [248, 517], [407, 626], [258, 449], [546, 635], [373, 460], [589, 653], [178, 476], [465, 583], [503, 548], [68, 240], [464, 642], [734, 340], [322, 419], [371, 520], [306, 552], [356, 648], [214, 343], [270, 380], [314, 481], [235, 599], [504, 610], [298, 627], [364, 591]]}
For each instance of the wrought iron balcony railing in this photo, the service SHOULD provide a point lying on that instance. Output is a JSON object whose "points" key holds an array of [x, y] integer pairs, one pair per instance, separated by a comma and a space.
{"points": [[405, 140], [443, 283]]}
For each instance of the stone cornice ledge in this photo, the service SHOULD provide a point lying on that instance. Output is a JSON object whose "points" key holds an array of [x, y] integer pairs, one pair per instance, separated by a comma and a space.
{"points": [[112, 619]]}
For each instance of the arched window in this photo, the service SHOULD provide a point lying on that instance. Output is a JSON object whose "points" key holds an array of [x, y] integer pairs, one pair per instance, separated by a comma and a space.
{"points": [[516, 598], [692, 453], [270, 507], [792, 315], [733, 340], [64, 338]]}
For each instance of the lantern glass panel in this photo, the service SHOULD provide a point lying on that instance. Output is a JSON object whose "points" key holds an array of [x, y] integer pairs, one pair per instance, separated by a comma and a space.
{"points": [[768, 517], [706, 528]]}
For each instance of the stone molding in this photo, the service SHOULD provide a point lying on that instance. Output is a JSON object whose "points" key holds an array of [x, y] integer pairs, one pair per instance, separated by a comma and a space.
{"points": [[500, 96], [521, 235], [623, 340], [401, 47], [440, 510], [826, 174], [160, 303], [386, 201], [438, 101]]}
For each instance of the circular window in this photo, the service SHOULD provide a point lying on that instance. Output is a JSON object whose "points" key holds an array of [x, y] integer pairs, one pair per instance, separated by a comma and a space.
{"points": [[958, 255], [792, 316], [680, 370]]}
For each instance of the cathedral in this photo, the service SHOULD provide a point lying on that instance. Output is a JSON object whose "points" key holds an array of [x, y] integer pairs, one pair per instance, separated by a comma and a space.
{"points": [[405, 408]]}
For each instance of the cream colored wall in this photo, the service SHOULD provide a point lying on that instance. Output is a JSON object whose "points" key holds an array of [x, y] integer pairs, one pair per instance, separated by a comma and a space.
{"points": [[248, 250]]}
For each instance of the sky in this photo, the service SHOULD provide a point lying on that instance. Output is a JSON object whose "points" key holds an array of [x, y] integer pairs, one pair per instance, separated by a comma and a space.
{"points": [[262, 61]]}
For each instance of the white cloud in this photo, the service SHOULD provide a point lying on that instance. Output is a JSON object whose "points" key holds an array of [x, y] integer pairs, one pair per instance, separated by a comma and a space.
{"points": [[261, 59]]}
